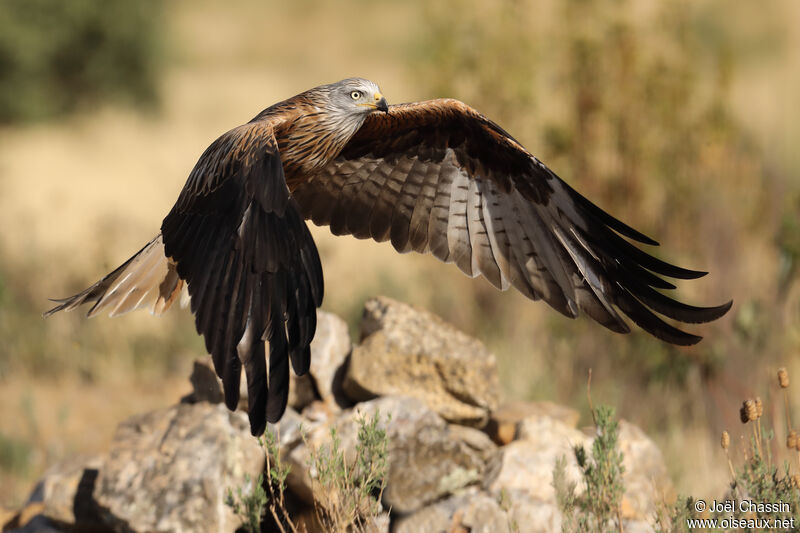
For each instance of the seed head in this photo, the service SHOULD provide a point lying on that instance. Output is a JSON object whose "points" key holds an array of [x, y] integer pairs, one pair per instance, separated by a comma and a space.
{"points": [[759, 407], [751, 411], [783, 378], [791, 440], [743, 414], [725, 441]]}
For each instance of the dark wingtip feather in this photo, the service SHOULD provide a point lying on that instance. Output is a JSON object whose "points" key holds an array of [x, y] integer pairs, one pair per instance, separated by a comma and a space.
{"points": [[672, 308], [230, 386], [609, 220], [256, 372], [301, 360], [651, 323]]}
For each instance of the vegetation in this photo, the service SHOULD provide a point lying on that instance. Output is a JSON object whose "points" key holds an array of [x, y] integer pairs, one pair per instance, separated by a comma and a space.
{"points": [[759, 479], [347, 491], [57, 57], [351, 490], [598, 508], [249, 505]]}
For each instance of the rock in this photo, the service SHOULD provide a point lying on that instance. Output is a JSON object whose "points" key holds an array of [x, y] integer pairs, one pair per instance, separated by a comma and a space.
{"points": [[527, 464], [169, 470], [206, 386], [473, 512], [637, 526], [528, 515], [329, 351], [411, 352], [65, 492], [425, 461], [646, 480], [504, 421], [38, 523], [381, 523]]}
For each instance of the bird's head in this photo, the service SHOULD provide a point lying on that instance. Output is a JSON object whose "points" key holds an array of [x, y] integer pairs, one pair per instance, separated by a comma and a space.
{"points": [[357, 95]]}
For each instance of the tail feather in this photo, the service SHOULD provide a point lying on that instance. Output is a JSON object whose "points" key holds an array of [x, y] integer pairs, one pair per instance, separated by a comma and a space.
{"points": [[149, 279]]}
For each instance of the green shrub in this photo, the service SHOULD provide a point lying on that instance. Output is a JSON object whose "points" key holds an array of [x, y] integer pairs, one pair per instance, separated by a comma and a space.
{"points": [[57, 57], [598, 508]]}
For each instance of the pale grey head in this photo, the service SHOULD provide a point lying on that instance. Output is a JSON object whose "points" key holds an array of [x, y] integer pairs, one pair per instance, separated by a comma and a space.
{"points": [[353, 96], [330, 115]]}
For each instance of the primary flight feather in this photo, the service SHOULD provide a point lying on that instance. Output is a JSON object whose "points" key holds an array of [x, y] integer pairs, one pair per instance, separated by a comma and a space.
{"points": [[434, 176]]}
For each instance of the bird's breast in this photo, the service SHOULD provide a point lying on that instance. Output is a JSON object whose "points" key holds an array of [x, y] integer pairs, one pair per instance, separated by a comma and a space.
{"points": [[309, 143]]}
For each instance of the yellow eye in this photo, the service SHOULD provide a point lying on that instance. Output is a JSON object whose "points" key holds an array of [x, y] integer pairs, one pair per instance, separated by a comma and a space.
{"points": [[355, 95]]}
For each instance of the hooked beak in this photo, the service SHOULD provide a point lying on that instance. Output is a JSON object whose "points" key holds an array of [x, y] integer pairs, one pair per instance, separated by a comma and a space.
{"points": [[380, 103]]}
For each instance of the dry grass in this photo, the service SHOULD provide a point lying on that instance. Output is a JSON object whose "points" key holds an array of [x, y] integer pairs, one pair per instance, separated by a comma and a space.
{"points": [[76, 198]]}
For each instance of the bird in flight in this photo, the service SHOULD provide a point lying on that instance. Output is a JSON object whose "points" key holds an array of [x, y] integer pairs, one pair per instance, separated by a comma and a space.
{"points": [[434, 176]]}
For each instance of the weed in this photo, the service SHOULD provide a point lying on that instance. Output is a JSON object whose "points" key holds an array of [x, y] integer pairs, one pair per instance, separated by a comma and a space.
{"points": [[759, 480], [598, 508], [348, 493], [249, 505]]}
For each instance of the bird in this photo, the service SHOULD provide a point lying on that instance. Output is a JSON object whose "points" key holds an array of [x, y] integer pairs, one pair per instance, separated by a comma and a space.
{"points": [[433, 177]]}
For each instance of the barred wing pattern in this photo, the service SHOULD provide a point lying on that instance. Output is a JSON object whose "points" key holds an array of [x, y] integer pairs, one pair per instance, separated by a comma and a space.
{"points": [[439, 177], [252, 268]]}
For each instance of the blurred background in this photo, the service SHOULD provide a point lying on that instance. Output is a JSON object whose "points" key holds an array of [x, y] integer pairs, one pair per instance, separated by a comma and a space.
{"points": [[681, 118]]}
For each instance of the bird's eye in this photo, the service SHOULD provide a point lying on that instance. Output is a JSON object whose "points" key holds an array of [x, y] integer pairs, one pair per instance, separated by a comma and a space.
{"points": [[355, 95]]}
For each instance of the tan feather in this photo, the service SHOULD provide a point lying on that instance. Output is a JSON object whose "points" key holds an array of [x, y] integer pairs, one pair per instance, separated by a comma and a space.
{"points": [[146, 280]]}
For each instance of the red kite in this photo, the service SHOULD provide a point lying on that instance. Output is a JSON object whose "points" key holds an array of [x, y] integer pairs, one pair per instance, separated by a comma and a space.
{"points": [[434, 176]]}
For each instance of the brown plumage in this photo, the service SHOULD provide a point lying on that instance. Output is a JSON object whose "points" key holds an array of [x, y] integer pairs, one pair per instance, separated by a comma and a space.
{"points": [[432, 176]]}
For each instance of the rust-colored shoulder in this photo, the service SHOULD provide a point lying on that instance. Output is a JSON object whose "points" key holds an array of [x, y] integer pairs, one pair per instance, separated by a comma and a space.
{"points": [[427, 129], [439, 113]]}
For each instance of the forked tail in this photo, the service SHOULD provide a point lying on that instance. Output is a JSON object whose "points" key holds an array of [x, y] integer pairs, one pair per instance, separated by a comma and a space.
{"points": [[149, 279]]}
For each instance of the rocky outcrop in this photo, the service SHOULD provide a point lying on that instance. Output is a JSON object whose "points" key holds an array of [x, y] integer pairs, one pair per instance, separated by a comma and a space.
{"points": [[169, 470], [456, 461], [412, 352], [427, 458]]}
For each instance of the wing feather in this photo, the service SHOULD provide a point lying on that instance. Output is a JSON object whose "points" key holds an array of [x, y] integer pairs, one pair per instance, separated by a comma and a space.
{"points": [[495, 225], [251, 266], [458, 241], [439, 177]]}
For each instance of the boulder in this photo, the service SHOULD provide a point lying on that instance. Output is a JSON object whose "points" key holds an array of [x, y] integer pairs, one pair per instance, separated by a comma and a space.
{"points": [[329, 351], [472, 511], [425, 460], [65, 492], [646, 480], [169, 470], [504, 421], [527, 464], [411, 352]]}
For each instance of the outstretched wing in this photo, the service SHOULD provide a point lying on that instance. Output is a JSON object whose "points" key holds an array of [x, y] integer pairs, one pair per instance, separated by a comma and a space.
{"points": [[251, 266], [439, 177]]}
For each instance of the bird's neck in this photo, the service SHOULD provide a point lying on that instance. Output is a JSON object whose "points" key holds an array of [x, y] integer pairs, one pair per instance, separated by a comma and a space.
{"points": [[311, 138]]}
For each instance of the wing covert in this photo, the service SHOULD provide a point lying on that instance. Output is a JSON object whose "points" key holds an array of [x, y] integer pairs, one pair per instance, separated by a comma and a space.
{"points": [[439, 177]]}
